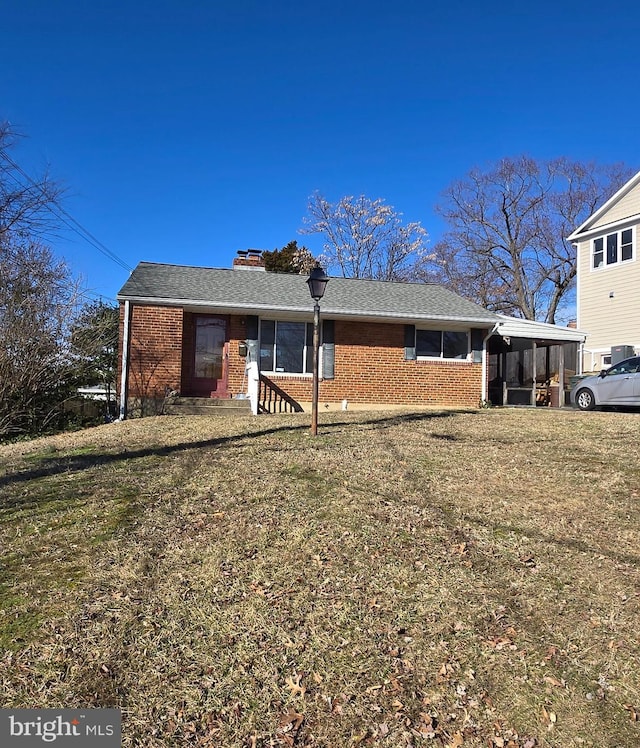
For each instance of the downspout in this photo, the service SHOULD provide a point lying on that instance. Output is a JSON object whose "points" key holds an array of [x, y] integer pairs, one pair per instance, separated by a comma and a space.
{"points": [[581, 351], [483, 391], [124, 374]]}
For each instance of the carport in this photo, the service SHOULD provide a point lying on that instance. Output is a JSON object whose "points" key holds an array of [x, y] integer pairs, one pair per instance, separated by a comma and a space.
{"points": [[531, 363]]}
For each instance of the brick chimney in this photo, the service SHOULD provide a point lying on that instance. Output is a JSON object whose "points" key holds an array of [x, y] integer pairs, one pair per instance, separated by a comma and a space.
{"points": [[248, 259]]}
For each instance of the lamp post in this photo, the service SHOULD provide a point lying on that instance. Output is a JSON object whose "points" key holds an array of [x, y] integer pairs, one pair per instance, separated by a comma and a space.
{"points": [[317, 282]]}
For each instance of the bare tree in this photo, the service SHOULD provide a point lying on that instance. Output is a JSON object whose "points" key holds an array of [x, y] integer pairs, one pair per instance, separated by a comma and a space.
{"points": [[25, 203], [365, 238], [505, 247], [38, 301]]}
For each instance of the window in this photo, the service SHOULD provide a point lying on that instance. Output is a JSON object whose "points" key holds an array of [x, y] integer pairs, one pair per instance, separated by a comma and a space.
{"points": [[286, 347], [598, 252], [625, 367], [442, 344], [614, 248], [626, 244]]}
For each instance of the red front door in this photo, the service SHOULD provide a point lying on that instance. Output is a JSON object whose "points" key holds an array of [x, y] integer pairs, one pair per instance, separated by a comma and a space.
{"points": [[209, 367]]}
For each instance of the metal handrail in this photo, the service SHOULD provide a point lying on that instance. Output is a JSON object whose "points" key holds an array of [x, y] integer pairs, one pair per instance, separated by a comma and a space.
{"points": [[272, 399]]}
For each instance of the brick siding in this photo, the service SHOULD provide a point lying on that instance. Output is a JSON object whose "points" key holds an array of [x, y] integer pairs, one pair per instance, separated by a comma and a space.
{"points": [[155, 352], [369, 364], [370, 368]]}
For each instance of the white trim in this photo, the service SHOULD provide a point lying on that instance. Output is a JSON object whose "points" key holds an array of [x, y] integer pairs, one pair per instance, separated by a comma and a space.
{"points": [[465, 360], [442, 357], [579, 289], [607, 228], [514, 327], [253, 385], [618, 232], [626, 188], [305, 349], [288, 374], [124, 375]]}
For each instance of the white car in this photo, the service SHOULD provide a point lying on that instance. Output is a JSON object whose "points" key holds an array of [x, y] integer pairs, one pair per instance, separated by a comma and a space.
{"points": [[619, 385]]}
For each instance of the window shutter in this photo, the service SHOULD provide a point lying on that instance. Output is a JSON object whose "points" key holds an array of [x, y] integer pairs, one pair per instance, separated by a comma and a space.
{"points": [[328, 349], [252, 326], [410, 342], [477, 336]]}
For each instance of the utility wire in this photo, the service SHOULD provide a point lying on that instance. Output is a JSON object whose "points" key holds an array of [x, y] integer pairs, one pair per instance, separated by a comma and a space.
{"points": [[66, 218]]}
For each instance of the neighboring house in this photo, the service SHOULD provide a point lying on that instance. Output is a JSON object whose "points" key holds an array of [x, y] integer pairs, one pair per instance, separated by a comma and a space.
{"points": [[608, 279], [198, 332]]}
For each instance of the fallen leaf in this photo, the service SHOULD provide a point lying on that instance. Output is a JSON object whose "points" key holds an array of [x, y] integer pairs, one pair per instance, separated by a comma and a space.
{"points": [[500, 642], [291, 721], [445, 672], [552, 653], [554, 681], [425, 728], [294, 685]]}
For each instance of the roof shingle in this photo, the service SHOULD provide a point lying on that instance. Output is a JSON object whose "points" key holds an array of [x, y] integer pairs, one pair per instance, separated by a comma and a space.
{"points": [[245, 290]]}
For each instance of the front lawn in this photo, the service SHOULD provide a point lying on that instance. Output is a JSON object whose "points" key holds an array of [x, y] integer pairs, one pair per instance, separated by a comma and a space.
{"points": [[404, 579]]}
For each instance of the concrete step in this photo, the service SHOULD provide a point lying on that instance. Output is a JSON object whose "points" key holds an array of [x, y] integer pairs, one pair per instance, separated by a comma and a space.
{"points": [[206, 406]]}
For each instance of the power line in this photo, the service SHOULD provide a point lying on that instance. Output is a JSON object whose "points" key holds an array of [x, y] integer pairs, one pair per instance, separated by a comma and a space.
{"points": [[93, 296], [65, 217]]}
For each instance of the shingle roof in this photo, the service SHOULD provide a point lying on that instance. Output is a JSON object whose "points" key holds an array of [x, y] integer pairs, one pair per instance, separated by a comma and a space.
{"points": [[245, 290]]}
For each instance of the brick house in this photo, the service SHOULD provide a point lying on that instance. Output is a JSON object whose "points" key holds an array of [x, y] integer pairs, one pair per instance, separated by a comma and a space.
{"points": [[200, 331]]}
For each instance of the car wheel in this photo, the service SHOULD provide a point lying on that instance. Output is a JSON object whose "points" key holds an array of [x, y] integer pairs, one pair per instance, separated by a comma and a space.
{"points": [[585, 400]]}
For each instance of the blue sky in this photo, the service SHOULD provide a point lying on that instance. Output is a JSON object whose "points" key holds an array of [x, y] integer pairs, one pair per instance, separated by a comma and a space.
{"points": [[185, 130]]}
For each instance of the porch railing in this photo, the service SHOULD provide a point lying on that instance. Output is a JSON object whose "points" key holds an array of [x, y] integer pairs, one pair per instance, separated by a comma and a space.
{"points": [[272, 399]]}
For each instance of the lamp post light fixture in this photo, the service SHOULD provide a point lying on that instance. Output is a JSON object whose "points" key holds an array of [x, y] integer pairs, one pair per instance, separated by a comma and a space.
{"points": [[317, 282]]}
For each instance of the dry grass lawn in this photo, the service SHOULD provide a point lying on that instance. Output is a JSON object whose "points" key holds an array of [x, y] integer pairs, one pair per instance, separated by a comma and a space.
{"points": [[405, 579]]}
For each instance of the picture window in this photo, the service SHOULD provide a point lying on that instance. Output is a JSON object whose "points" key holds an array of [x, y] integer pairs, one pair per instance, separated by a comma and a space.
{"points": [[442, 344], [286, 347]]}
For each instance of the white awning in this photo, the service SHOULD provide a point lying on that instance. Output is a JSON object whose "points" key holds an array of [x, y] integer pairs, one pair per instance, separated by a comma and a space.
{"points": [[512, 327]]}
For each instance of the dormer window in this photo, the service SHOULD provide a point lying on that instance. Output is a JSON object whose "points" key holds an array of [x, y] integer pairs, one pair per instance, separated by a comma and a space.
{"points": [[613, 248]]}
